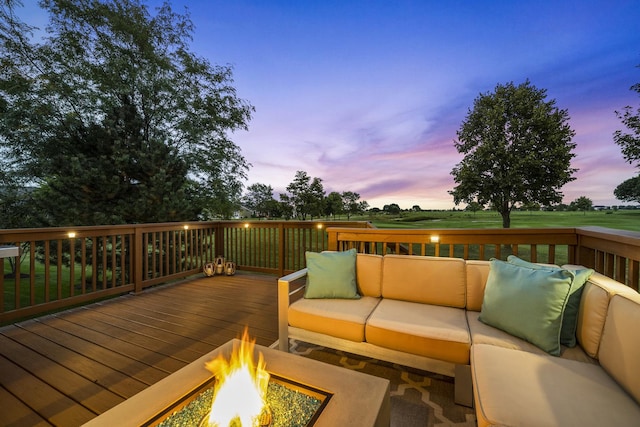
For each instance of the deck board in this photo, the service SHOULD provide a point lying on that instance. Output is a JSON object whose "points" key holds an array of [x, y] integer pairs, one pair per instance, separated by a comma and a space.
{"points": [[67, 368]]}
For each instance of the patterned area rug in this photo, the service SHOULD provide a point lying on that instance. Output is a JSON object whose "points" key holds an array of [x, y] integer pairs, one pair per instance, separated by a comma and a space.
{"points": [[418, 398]]}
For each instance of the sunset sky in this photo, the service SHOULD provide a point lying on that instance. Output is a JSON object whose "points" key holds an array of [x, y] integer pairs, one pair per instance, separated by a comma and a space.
{"points": [[368, 95]]}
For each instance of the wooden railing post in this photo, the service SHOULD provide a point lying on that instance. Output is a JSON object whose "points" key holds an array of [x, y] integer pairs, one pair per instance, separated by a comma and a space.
{"points": [[138, 257], [332, 241], [281, 249]]}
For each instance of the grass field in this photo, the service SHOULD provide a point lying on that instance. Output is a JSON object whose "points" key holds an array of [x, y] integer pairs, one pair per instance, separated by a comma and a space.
{"points": [[620, 219]]}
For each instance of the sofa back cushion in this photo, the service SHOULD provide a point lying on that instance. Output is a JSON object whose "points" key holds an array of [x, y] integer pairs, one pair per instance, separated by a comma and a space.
{"points": [[427, 280], [369, 275], [593, 310], [619, 351], [477, 273]]}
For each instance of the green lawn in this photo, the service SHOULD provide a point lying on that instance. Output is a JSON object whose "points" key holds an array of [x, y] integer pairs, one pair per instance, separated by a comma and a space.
{"points": [[621, 219]]}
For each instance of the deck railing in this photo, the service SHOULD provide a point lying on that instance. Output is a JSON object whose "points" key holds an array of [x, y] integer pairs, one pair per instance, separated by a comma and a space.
{"points": [[614, 253], [62, 267], [66, 266]]}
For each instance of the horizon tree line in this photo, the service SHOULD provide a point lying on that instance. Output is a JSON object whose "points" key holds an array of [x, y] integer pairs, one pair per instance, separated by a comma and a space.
{"points": [[305, 198]]}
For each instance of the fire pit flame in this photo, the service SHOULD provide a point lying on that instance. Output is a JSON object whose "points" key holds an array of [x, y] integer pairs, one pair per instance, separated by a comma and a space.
{"points": [[241, 387]]}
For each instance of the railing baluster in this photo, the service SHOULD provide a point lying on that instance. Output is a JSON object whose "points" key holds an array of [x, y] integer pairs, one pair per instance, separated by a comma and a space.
{"points": [[47, 271], [633, 273], [620, 268], [83, 265], [32, 271], [609, 264], [59, 269]]}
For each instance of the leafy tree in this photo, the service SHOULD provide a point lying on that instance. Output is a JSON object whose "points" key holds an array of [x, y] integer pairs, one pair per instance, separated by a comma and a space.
{"points": [[392, 209], [259, 199], [115, 119], [582, 203], [333, 204], [531, 207], [274, 209], [474, 207], [286, 206], [363, 206], [629, 190], [629, 142], [416, 208], [315, 204], [306, 196], [352, 204], [517, 149]]}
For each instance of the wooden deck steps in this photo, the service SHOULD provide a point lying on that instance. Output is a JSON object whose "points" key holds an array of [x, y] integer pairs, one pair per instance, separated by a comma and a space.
{"points": [[65, 369]]}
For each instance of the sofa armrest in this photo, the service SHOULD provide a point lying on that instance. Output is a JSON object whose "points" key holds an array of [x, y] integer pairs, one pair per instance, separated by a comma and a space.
{"points": [[284, 295]]}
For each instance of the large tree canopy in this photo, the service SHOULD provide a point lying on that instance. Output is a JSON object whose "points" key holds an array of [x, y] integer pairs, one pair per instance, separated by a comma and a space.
{"points": [[629, 143], [517, 150], [113, 119], [629, 190]]}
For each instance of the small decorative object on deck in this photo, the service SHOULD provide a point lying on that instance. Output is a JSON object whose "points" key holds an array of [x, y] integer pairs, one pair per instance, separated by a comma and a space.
{"points": [[220, 264], [230, 268], [209, 269]]}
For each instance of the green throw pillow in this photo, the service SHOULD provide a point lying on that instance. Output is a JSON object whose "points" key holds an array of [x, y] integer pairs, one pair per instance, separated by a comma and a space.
{"points": [[526, 302], [331, 275], [570, 317]]}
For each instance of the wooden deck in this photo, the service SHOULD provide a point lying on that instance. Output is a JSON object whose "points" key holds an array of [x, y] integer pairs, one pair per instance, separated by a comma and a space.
{"points": [[65, 369]]}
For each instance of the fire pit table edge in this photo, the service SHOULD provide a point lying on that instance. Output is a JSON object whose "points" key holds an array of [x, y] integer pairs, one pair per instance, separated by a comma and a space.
{"points": [[358, 399]]}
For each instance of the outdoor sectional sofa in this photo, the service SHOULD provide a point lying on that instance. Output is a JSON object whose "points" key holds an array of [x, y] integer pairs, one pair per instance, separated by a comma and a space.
{"points": [[425, 312]]}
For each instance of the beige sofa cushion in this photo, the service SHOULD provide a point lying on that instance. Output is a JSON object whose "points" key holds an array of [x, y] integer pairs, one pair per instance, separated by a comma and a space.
{"points": [[428, 330], [593, 309], [428, 280], [369, 274], [335, 317], [477, 273], [482, 333], [518, 388], [619, 351]]}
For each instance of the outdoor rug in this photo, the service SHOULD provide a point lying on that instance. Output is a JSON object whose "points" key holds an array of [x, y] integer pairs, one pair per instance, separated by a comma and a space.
{"points": [[418, 398]]}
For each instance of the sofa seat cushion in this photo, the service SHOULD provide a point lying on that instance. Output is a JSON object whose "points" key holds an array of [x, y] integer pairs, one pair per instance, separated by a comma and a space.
{"points": [[427, 330], [482, 333], [514, 387], [341, 318]]}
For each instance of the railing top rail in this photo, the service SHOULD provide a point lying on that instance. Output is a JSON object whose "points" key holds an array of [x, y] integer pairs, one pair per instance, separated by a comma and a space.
{"points": [[59, 233], [621, 236], [565, 236], [459, 231], [295, 224]]}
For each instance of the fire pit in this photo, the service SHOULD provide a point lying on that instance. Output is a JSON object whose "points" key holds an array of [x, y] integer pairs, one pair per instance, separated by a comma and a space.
{"points": [[288, 404], [315, 393]]}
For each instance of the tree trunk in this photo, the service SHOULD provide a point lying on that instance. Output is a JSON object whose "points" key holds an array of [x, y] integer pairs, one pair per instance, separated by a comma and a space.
{"points": [[506, 219]]}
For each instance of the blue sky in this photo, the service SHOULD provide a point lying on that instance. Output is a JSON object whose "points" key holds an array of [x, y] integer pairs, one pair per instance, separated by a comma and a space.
{"points": [[368, 95]]}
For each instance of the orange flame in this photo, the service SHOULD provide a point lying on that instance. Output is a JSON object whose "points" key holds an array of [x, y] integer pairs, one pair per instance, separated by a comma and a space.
{"points": [[241, 385]]}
